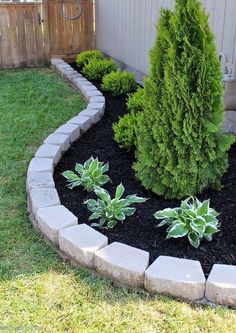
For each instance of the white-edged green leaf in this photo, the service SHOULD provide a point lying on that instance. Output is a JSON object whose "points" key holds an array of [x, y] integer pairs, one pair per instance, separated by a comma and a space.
{"points": [[105, 167], [208, 237], [211, 229], [194, 239], [111, 224], [198, 225], [210, 219], [163, 222], [191, 213], [178, 230], [203, 208], [79, 168], [166, 213], [70, 175], [129, 211], [91, 202], [120, 191]]}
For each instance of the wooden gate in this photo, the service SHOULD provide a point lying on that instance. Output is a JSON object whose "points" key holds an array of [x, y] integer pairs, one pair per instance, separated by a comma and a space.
{"points": [[32, 33], [68, 37], [21, 37]]}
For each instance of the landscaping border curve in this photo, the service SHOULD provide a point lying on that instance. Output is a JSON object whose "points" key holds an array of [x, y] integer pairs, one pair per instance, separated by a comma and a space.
{"points": [[82, 245]]}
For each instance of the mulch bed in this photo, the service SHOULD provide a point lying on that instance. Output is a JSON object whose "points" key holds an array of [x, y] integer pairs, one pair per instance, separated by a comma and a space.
{"points": [[140, 230]]}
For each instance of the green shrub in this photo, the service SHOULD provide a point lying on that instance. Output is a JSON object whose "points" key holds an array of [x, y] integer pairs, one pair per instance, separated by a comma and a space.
{"points": [[193, 218], [83, 58], [125, 128], [180, 147], [136, 101], [88, 175], [96, 69], [124, 131], [109, 211], [119, 83]]}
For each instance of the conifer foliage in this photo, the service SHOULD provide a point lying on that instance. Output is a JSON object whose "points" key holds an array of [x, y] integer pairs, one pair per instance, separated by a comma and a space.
{"points": [[180, 148]]}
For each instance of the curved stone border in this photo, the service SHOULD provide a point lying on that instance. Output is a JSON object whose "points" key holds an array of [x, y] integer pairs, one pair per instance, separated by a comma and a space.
{"points": [[181, 278]]}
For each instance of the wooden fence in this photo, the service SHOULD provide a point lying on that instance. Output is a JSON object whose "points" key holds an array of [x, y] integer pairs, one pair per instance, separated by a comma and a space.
{"points": [[31, 33], [125, 29]]}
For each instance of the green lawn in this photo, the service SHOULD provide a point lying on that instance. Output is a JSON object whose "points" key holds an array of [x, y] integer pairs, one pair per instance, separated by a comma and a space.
{"points": [[37, 289]]}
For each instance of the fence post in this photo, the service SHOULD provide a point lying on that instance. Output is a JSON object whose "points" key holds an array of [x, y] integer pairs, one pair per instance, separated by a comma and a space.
{"points": [[46, 31]]}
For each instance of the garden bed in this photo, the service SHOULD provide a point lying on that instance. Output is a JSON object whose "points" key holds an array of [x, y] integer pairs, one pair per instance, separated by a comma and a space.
{"points": [[140, 230]]}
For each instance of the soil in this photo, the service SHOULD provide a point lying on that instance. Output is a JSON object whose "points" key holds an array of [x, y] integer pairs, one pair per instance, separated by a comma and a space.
{"points": [[140, 230]]}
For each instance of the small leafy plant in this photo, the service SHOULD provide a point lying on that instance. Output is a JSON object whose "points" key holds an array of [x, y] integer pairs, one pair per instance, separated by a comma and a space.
{"points": [[83, 58], [88, 175], [119, 83], [193, 218], [109, 211], [125, 128], [96, 69]]}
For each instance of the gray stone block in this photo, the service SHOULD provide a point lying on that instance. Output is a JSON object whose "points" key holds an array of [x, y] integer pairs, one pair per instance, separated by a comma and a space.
{"points": [[49, 151], [70, 129], [97, 99], [62, 140], [84, 122], [94, 114], [92, 93], [41, 198], [52, 219], [41, 165], [80, 242], [221, 285], [180, 278], [122, 263], [97, 106], [39, 179]]}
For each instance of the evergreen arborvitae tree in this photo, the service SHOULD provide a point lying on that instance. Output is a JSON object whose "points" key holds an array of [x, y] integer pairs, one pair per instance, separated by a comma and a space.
{"points": [[180, 148]]}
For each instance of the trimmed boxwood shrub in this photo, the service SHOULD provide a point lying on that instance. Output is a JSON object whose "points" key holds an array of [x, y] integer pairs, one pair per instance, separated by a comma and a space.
{"points": [[125, 128], [119, 83], [96, 69], [180, 147], [83, 58]]}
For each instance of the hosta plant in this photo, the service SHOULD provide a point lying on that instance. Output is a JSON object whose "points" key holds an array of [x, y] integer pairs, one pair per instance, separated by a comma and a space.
{"points": [[193, 219], [88, 175], [110, 211]]}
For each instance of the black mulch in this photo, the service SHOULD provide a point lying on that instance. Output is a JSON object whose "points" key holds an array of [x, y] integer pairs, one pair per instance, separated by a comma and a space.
{"points": [[140, 230]]}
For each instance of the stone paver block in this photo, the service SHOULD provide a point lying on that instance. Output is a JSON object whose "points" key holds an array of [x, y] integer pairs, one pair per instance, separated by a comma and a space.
{"points": [[49, 151], [92, 93], [221, 285], [41, 165], [41, 198], [122, 263], [97, 106], [84, 122], [62, 140], [56, 61], [70, 129], [97, 99], [176, 277], [81, 82], [93, 114], [39, 179], [52, 219], [80, 242]]}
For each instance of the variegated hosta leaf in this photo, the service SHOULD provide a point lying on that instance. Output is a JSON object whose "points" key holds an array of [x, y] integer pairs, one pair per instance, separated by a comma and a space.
{"points": [[90, 174], [111, 210], [193, 218]]}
